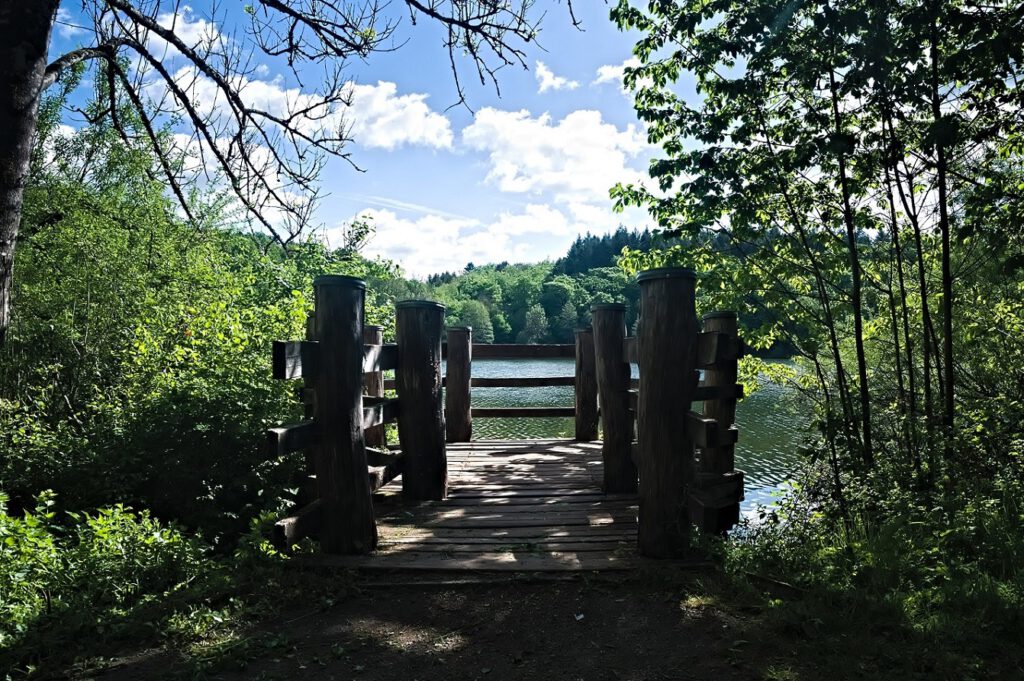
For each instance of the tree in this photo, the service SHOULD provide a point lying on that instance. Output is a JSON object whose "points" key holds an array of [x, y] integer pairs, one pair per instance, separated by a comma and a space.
{"points": [[269, 159], [536, 327], [474, 314]]}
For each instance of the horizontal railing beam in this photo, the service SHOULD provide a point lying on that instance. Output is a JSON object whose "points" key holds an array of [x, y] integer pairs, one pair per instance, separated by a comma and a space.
{"points": [[294, 359], [525, 382], [379, 357], [378, 411], [521, 412], [292, 437]]}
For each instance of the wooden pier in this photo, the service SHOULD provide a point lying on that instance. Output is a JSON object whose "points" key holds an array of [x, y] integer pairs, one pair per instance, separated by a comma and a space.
{"points": [[531, 505]]}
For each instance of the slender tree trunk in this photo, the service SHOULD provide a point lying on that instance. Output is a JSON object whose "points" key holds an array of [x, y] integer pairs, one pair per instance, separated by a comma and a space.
{"points": [[907, 338], [24, 37], [947, 274], [855, 272]]}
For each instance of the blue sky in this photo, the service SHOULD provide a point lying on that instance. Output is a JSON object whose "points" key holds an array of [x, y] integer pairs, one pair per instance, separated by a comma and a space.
{"points": [[516, 178]]}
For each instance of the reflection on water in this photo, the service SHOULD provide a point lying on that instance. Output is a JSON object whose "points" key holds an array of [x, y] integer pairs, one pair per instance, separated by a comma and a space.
{"points": [[770, 422]]}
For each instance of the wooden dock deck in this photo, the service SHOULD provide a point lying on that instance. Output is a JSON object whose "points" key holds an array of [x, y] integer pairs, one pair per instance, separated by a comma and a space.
{"points": [[513, 505]]}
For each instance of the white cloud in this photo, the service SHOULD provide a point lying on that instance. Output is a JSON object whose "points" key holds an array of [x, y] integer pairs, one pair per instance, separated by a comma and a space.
{"points": [[613, 73], [194, 31], [428, 244], [547, 80], [67, 26], [377, 117], [577, 159], [384, 119]]}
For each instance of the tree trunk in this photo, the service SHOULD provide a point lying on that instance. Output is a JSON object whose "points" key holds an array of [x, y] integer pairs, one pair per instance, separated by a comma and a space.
{"points": [[947, 273], [24, 38]]}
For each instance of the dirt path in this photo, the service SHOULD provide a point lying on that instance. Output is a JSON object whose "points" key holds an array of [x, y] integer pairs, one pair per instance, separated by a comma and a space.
{"points": [[635, 630]]}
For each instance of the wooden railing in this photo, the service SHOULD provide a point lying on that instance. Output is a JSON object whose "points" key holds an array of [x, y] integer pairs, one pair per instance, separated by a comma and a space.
{"points": [[681, 462], [459, 382]]}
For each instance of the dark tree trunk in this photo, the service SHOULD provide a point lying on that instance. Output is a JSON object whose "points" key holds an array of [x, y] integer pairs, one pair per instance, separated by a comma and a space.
{"points": [[24, 38]]}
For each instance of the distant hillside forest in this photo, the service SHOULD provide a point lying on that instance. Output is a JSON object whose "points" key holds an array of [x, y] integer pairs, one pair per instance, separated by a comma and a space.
{"points": [[538, 303], [546, 302]]}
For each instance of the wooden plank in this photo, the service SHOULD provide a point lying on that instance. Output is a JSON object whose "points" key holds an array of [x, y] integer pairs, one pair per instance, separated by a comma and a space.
{"points": [[487, 562], [380, 357], [706, 432], [305, 523], [378, 411], [539, 540], [629, 352], [381, 457], [292, 437], [522, 412], [294, 359], [718, 392], [512, 351], [531, 382], [622, 545], [467, 534], [591, 505], [714, 347]]}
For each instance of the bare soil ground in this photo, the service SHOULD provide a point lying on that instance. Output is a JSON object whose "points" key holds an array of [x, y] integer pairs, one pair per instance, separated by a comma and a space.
{"points": [[426, 628]]}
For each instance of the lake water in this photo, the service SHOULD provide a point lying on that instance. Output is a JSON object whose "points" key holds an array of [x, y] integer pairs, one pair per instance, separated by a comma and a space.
{"points": [[769, 421]]}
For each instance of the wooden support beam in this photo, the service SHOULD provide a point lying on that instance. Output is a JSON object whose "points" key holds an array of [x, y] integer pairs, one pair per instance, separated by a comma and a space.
{"points": [[382, 475], [292, 437], [523, 382], [522, 412], [666, 336], [585, 382], [381, 457], [419, 327], [514, 351], [718, 392], [378, 411], [294, 359], [307, 522], [373, 384], [719, 458], [629, 351], [458, 395], [707, 433], [380, 357], [348, 523], [620, 474], [714, 347]]}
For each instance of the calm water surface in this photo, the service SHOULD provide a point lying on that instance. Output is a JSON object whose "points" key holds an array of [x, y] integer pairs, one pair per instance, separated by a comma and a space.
{"points": [[769, 421]]}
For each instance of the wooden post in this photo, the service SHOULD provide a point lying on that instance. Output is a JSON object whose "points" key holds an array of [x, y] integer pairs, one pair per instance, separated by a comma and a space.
{"points": [[347, 524], [666, 348], [586, 386], [620, 474], [373, 382], [715, 504], [419, 324], [458, 420], [721, 459]]}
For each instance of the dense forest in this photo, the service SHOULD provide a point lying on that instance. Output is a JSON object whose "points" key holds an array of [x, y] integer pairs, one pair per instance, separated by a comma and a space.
{"points": [[537, 303], [849, 180]]}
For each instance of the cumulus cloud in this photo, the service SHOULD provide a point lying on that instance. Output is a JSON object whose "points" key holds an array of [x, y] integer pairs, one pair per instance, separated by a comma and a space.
{"points": [[432, 243], [384, 119], [547, 80], [376, 117], [66, 25], [613, 73], [575, 159]]}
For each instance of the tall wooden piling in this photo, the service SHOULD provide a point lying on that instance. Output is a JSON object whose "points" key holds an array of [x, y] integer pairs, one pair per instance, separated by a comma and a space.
{"points": [[347, 523], [586, 386], [723, 374], [457, 395], [718, 490], [666, 347], [421, 431], [373, 382], [612, 369]]}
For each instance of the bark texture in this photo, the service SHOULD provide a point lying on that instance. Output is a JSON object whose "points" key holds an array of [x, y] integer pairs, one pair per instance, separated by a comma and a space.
{"points": [[24, 37]]}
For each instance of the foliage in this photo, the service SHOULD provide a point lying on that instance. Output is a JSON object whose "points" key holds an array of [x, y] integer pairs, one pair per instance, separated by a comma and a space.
{"points": [[852, 170], [86, 571]]}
